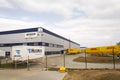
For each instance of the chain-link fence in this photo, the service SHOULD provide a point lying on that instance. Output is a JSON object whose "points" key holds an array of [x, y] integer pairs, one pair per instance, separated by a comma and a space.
{"points": [[75, 61], [85, 61]]}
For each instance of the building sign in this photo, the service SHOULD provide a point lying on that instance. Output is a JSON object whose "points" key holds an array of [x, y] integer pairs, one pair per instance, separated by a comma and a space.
{"points": [[31, 35], [34, 50], [21, 53]]}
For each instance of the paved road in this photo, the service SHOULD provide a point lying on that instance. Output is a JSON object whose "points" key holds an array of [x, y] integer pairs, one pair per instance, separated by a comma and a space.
{"points": [[59, 61], [30, 75]]}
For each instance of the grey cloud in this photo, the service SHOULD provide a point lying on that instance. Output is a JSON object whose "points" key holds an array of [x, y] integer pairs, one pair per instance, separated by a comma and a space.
{"points": [[90, 22], [101, 9], [89, 31], [69, 8]]}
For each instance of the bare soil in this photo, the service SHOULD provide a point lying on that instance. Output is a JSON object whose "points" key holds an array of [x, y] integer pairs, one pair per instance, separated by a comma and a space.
{"points": [[93, 75], [97, 59]]}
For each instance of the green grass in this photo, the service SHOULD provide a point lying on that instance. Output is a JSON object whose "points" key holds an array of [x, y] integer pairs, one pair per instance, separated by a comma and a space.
{"points": [[53, 69], [96, 59], [11, 65], [8, 65]]}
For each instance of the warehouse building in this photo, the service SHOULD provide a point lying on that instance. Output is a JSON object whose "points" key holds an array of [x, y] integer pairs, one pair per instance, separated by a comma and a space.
{"points": [[53, 43]]}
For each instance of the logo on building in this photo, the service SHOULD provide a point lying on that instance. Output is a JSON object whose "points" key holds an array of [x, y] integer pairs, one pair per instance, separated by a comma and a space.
{"points": [[18, 51], [34, 50], [31, 35]]}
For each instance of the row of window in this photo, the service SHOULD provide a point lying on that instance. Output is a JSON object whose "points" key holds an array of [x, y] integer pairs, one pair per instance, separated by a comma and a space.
{"points": [[32, 44]]}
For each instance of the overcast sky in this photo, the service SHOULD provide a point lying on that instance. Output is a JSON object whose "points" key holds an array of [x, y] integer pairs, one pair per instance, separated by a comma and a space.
{"points": [[87, 22]]}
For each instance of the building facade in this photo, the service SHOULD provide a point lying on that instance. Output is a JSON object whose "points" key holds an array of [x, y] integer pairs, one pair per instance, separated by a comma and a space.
{"points": [[53, 43]]}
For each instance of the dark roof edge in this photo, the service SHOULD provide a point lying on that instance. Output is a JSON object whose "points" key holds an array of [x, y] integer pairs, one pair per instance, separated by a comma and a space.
{"points": [[54, 34], [33, 30], [19, 31]]}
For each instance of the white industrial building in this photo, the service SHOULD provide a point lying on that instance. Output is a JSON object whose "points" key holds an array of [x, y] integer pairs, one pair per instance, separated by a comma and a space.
{"points": [[53, 43]]}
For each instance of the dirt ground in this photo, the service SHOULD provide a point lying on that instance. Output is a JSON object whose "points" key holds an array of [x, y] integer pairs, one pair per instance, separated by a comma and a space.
{"points": [[97, 59], [93, 75]]}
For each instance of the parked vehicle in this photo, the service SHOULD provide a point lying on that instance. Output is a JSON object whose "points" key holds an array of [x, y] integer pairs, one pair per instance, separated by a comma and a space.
{"points": [[73, 51], [104, 50]]}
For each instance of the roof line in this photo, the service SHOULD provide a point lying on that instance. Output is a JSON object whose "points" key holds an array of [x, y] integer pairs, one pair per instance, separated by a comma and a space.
{"points": [[33, 30]]}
